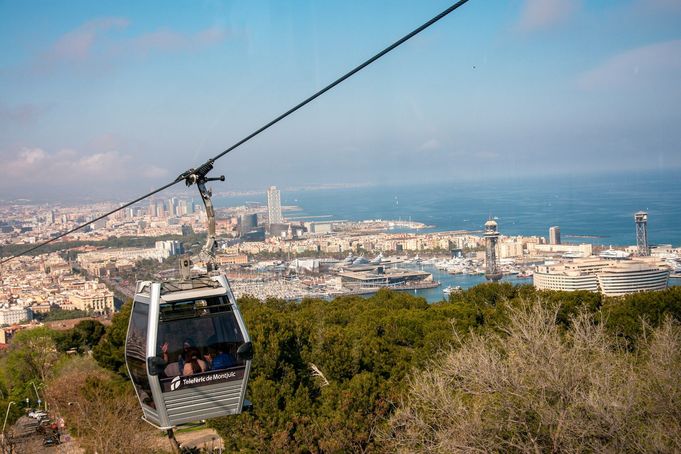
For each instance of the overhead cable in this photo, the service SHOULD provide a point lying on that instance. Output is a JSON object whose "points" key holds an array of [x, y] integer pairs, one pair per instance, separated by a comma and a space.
{"points": [[185, 176]]}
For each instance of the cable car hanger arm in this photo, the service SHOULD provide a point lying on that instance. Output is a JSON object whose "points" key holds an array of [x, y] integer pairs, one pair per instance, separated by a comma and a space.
{"points": [[200, 178]]}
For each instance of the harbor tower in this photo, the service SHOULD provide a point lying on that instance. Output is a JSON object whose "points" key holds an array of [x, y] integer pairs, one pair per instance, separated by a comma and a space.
{"points": [[641, 219], [274, 205], [554, 235], [492, 271]]}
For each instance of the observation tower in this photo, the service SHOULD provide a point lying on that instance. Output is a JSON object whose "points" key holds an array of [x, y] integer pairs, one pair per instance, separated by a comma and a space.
{"points": [[641, 219], [492, 271]]}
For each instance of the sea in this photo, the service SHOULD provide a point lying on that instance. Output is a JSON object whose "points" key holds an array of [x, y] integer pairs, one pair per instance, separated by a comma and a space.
{"points": [[594, 208]]}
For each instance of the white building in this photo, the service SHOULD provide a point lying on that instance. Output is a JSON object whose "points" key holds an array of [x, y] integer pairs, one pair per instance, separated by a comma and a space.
{"points": [[508, 249], [609, 277], [318, 228], [10, 315], [585, 250], [94, 296], [274, 205], [632, 277], [169, 248], [564, 278], [134, 254]]}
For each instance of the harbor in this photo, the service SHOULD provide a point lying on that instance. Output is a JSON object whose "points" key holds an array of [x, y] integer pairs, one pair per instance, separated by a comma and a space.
{"points": [[433, 278]]}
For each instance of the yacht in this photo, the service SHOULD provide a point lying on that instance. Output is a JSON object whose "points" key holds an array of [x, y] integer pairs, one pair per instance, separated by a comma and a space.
{"points": [[449, 289], [613, 254]]}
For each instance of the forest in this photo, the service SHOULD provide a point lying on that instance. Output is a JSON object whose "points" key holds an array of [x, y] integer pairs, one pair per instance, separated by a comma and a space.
{"points": [[495, 368]]}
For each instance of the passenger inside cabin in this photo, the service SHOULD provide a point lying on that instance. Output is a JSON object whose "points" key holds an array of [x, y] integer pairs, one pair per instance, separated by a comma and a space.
{"points": [[187, 345], [219, 359], [194, 363], [165, 354]]}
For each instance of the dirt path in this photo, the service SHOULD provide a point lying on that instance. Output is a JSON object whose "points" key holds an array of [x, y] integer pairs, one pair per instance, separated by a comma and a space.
{"points": [[203, 438]]}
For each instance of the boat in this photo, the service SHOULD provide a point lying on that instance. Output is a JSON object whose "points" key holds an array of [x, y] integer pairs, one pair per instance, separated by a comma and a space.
{"points": [[449, 289], [614, 254]]}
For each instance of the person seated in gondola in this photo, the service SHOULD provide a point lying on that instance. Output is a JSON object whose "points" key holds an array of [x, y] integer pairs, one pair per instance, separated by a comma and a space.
{"points": [[171, 365], [187, 345], [219, 359], [165, 354], [194, 363]]}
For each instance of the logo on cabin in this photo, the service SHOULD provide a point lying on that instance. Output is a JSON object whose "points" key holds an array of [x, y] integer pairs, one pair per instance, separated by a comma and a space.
{"points": [[202, 379], [175, 383]]}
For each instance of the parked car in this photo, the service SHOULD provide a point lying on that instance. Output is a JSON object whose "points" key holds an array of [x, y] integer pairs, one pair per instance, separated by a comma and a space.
{"points": [[37, 415], [51, 440]]}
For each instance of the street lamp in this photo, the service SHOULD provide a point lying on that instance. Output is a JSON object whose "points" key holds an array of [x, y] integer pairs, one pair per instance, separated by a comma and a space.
{"points": [[5, 423], [38, 396]]}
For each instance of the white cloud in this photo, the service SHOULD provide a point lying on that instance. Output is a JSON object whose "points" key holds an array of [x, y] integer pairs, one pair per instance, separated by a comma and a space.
{"points": [[153, 171], [65, 167], [171, 41], [430, 145], [78, 43], [657, 65], [539, 14], [94, 46]]}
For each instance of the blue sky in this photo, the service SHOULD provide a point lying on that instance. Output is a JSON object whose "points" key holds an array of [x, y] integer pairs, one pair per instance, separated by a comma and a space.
{"points": [[120, 97]]}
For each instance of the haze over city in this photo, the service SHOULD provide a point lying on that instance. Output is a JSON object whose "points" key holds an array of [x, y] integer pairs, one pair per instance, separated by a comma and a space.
{"points": [[108, 100]]}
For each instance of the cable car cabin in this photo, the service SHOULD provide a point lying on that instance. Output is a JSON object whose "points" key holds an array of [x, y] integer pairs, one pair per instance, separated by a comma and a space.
{"points": [[187, 351]]}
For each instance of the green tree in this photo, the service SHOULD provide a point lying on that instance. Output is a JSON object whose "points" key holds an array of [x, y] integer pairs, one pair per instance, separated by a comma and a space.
{"points": [[325, 372], [82, 337], [31, 355], [626, 316], [110, 351]]}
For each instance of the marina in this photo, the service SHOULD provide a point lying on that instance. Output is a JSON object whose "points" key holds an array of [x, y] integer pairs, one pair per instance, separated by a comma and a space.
{"points": [[432, 279]]}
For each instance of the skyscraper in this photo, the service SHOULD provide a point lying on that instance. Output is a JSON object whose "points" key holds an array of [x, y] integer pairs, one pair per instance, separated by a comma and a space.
{"points": [[172, 205], [554, 235], [274, 205], [247, 223]]}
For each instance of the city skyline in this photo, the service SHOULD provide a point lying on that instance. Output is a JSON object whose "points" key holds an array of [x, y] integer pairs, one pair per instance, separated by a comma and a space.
{"points": [[121, 99]]}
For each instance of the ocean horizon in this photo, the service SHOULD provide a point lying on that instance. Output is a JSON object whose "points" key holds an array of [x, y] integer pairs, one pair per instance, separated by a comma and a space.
{"points": [[597, 209]]}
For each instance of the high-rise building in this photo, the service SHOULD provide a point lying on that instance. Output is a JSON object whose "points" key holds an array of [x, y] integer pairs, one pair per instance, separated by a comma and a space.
{"points": [[160, 209], [492, 271], [182, 208], [247, 223], [554, 235], [641, 219], [170, 247], [274, 205], [187, 230]]}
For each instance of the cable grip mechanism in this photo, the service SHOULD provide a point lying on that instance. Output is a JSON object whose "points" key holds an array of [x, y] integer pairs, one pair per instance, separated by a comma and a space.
{"points": [[200, 178]]}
